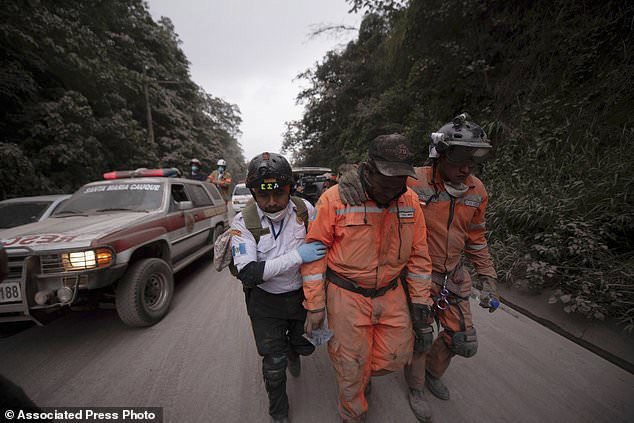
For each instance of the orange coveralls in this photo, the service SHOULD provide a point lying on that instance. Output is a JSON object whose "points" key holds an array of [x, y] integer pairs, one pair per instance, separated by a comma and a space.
{"points": [[223, 184], [454, 225], [370, 246]]}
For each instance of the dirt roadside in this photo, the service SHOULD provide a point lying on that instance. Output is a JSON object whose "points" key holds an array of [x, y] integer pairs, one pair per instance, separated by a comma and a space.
{"points": [[607, 338]]}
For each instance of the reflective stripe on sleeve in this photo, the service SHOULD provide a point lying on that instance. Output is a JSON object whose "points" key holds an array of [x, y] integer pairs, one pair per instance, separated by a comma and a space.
{"points": [[405, 209], [474, 226], [315, 277]]}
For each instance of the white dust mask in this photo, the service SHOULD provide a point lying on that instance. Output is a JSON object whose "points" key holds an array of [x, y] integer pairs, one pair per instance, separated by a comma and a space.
{"points": [[456, 190], [277, 216]]}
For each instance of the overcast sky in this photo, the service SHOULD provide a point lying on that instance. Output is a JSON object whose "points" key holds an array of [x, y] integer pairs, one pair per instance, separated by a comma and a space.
{"points": [[249, 52]]}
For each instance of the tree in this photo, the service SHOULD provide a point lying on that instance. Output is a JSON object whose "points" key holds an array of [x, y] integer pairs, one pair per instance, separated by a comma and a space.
{"points": [[554, 92], [71, 90]]}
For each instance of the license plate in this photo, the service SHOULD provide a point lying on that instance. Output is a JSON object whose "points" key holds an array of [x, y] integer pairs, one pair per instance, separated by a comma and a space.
{"points": [[10, 292]]}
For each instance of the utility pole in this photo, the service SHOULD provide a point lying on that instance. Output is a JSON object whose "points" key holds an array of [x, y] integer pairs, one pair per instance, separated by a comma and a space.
{"points": [[148, 108], [150, 126]]}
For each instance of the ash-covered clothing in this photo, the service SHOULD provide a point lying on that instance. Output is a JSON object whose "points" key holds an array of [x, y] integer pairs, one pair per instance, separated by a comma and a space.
{"points": [[277, 321], [278, 248], [370, 246], [223, 181], [275, 306], [454, 225]]}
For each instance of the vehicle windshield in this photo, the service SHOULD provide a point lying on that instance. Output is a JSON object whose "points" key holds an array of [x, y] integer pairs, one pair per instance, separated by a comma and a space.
{"points": [[16, 214], [241, 190], [109, 197]]}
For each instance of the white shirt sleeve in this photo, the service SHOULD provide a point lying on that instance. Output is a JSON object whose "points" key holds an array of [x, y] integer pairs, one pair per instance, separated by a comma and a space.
{"points": [[243, 247], [244, 250], [281, 264]]}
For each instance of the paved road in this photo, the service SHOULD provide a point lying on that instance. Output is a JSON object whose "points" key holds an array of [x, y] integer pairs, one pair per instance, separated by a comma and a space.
{"points": [[200, 364]]}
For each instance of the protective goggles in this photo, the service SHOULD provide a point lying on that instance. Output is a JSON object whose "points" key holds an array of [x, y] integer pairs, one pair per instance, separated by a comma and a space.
{"points": [[458, 154]]}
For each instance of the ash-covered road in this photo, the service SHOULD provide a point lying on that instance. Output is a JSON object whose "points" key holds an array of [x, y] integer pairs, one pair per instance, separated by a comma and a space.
{"points": [[200, 365]]}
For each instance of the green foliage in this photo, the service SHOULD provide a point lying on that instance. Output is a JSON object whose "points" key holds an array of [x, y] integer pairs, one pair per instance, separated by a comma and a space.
{"points": [[72, 82], [385, 7], [550, 81]]}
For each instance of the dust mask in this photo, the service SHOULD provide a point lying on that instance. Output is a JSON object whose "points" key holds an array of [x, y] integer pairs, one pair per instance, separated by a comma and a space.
{"points": [[456, 190], [277, 216]]}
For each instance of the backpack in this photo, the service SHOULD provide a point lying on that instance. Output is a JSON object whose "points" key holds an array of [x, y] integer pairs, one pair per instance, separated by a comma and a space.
{"points": [[222, 247]]}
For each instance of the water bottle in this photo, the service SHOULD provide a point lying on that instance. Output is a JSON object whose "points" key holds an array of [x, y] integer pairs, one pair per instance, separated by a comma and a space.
{"points": [[485, 298], [320, 336]]}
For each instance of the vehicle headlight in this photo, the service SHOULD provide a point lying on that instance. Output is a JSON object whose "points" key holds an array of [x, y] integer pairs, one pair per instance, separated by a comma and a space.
{"points": [[89, 259]]}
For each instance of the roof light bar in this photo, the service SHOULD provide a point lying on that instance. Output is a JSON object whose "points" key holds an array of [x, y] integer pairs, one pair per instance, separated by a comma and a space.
{"points": [[142, 173]]}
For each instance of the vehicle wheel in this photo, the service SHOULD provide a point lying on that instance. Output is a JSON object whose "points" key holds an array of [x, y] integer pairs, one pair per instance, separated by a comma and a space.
{"points": [[144, 294], [218, 230]]}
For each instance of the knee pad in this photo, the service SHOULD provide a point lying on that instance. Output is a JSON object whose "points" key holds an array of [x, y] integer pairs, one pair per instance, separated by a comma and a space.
{"points": [[464, 344], [274, 369]]}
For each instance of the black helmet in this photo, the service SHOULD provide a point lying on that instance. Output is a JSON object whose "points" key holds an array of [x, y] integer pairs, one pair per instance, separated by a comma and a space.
{"points": [[268, 171], [460, 140]]}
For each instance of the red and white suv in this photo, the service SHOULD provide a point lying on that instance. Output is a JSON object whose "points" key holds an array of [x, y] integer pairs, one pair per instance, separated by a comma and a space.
{"points": [[122, 238]]}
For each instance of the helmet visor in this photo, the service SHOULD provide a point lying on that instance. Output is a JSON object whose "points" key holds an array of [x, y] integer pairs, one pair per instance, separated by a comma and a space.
{"points": [[458, 154]]}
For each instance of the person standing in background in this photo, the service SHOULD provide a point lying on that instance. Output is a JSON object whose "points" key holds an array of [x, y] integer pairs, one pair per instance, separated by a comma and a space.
{"points": [[222, 179]]}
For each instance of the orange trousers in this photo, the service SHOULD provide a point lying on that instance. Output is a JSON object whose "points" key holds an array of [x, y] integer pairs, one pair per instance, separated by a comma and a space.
{"points": [[371, 337], [456, 318]]}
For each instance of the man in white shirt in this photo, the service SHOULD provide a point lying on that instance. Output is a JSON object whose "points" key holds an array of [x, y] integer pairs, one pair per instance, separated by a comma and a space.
{"points": [[268, 248]]}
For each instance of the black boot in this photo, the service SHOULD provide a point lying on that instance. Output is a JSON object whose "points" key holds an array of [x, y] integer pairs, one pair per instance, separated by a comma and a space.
{"points": [[420, 405], [436, 387], [294, 364]]}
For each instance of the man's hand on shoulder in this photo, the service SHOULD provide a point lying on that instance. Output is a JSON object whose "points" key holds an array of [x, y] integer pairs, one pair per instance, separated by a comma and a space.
{"points": [[351, 190]]}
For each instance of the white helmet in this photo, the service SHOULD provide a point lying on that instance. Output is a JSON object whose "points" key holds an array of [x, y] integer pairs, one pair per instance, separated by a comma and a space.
{"points": [[221, 162]]}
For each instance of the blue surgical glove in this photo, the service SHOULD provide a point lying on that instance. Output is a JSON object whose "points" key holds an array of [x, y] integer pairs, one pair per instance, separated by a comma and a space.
{"points": [[312, 251]]}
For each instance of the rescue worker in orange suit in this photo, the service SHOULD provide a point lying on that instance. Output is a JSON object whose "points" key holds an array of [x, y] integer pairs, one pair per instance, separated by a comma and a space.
{"points": [[369, 246], [269, 269], [454, 203], [221, 178]]}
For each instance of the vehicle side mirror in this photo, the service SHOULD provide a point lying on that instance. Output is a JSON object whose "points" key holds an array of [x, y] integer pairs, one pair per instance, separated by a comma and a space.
{"points": [[185, 205]]}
